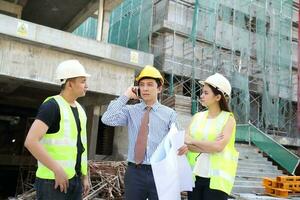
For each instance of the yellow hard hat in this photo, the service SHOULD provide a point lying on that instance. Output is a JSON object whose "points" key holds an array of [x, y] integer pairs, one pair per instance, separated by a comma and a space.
{"points": [[150, 71]]}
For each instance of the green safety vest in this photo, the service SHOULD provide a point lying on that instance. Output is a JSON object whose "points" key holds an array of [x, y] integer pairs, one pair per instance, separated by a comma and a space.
{"points": [[222, 164], [62, 145]]}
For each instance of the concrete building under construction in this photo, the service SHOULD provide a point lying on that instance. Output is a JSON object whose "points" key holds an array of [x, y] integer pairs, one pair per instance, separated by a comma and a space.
{"points": [[35, 36], [254, 43]]}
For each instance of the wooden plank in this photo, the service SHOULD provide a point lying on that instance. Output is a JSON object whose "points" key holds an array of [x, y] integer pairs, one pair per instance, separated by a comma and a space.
{"points": [[12, 8]]}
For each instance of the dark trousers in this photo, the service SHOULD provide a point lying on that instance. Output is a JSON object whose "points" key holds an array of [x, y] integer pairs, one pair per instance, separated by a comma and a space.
{"points": [[201, 191], [45, 189], [139, 183]]}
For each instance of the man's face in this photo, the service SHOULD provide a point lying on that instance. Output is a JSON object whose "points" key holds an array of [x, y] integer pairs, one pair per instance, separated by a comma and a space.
{"points": [[78, 86], [149, 89]]}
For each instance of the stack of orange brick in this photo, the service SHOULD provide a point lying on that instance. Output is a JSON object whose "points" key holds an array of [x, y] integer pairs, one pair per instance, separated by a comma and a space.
{"points": [[282, 186]]}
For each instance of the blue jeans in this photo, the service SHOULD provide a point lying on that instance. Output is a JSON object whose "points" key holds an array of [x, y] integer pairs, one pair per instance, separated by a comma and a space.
{"points": [[45, 189], [139, 183]]}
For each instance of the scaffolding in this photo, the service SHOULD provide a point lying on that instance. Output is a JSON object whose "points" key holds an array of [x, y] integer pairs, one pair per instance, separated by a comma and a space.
{"points": [[249, 41]]}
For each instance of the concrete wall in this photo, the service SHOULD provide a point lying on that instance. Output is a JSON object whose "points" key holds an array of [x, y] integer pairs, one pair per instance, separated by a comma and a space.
{"points": [[30, 52], [36, 63], [34, 54]]}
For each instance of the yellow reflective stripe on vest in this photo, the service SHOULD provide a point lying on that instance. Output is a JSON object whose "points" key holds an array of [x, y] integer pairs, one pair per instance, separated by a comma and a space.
{"points": [[83, 136], [222, 174], [198, 123], [58, 142], [200, 130], [66, 128], [64, 163], [222, 164], [62, 146], [226, 155], [66, 116]]}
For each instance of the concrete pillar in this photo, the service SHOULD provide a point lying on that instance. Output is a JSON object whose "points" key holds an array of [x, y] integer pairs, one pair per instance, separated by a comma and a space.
{"points": [[93, 115], [100, 20], [120, 146], [105, 27]]}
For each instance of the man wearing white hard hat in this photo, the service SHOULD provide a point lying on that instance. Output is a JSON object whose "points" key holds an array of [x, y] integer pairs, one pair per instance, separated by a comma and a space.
{"points": [[210, 142], [57, 138]]}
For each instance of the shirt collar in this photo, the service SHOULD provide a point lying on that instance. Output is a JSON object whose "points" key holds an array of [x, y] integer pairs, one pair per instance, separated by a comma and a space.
{"points": [[154, 107]]}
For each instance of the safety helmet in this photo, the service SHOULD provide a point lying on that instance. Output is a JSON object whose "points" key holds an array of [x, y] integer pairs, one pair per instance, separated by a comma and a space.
{"points": [[219, 82], [69, 69], [151, 72]]}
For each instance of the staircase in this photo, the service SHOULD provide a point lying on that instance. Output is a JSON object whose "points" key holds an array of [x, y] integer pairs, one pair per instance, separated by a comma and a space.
{"points": [[252, 167]]}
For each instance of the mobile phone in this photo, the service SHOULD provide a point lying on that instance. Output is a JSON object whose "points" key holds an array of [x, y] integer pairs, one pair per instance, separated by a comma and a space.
{"points": [[136, 91]]}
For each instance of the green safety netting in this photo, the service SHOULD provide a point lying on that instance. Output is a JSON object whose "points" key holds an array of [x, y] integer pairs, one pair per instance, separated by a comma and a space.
{"points": [[88, 28], [258, 37], [240, 101], [130, 24], [250, 42]]}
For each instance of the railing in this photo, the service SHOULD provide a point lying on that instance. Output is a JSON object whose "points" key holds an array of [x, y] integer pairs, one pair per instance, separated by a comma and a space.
{"points": [[281, 155]]}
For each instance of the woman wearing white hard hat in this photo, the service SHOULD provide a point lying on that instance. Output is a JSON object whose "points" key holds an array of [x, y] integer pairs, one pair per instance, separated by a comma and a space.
{"points": [[210, 142]]}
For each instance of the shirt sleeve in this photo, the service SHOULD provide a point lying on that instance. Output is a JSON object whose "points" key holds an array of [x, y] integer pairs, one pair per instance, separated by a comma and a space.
{"points": [[48, 112], [173, 119], [117, 112]]}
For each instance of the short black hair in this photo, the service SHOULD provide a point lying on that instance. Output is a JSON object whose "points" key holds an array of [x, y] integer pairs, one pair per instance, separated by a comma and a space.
{"points": [[158, 81], [63, 86]]}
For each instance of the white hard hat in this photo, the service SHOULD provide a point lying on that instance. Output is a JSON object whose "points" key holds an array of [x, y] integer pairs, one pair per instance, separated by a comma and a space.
{"points": [[219, 82], [69, 69]]}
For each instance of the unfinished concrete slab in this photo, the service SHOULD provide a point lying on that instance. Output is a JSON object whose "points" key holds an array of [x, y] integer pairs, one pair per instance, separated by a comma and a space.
{"points": [[32, 52]]}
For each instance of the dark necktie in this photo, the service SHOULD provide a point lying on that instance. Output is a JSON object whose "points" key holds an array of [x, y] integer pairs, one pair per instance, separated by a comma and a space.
{"points": [[141, 142]]}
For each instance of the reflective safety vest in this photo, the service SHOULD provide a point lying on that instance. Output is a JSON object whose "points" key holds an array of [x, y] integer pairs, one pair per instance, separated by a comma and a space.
{"points": [[62, 145], [222, 165]]}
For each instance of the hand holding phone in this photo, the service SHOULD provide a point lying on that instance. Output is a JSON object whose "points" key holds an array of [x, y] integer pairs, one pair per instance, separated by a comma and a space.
{"points": [[136, 91], [132, 92]]}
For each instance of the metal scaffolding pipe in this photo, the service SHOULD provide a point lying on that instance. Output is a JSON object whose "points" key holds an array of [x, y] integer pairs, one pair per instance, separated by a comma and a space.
{"points": [[298, 98]]}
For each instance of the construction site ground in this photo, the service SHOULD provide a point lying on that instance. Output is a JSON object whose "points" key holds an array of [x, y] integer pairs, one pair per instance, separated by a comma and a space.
{"points": [[246, 196]]}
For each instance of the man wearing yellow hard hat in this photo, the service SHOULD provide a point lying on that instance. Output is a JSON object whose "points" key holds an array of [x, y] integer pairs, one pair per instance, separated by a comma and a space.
{"points": [[148, 123]]}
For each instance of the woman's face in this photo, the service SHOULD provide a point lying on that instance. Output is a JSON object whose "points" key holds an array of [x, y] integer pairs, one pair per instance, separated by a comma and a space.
{"points": [[207, 96]]}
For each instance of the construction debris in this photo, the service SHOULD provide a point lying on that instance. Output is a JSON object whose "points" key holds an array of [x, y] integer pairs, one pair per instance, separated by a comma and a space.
{"points": [[28, 195], [107, 181]]}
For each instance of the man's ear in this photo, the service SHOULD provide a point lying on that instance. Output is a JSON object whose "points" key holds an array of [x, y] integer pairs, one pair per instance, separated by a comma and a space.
{"points": [[159, 88], [69, 83]]}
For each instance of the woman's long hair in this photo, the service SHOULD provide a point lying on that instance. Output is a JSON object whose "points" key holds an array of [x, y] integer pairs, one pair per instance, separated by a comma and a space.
{"points": [[223, 102]]}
